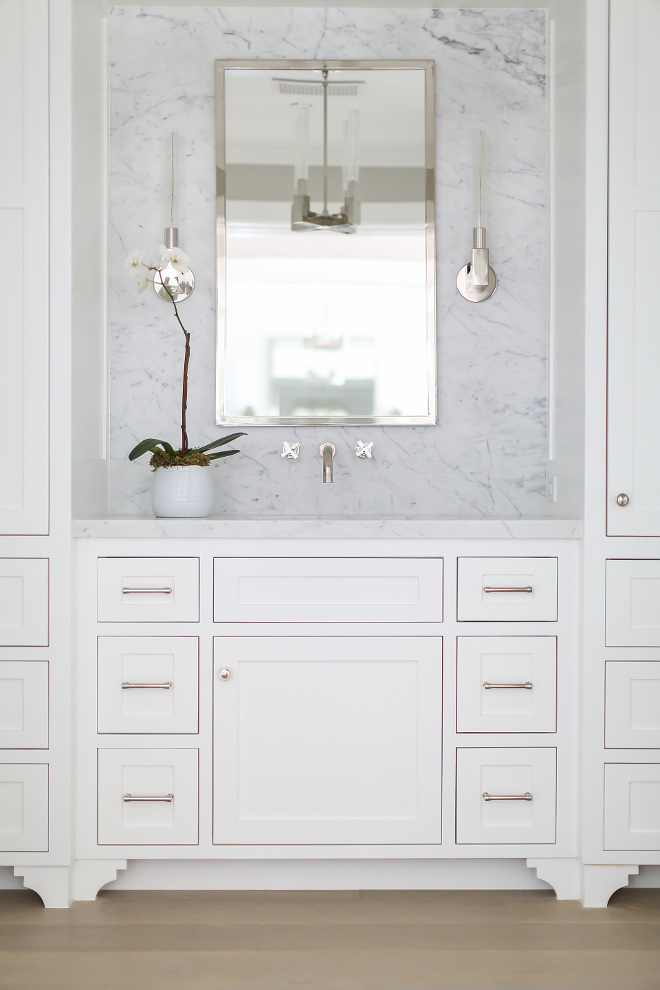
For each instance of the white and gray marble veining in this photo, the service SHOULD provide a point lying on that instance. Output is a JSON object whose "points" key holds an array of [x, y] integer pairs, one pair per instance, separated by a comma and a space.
{"points": [[486, 457], [329, 529]]}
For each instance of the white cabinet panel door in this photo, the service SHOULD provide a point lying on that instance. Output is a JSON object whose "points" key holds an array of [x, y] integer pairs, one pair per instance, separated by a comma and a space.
{"points": [[632, 704], [23, 807], [328, 740], [633, 459], [23, 704], [632, 603], [507, 589], [632, 806], [148, 589], [148, 796], [505, 795], [506, 684], [329, 589], [24, 231], [148, 684], [23, 602]]}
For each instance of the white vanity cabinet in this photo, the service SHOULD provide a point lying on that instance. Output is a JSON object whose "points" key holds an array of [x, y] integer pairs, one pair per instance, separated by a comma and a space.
{"points": [[308, 698]]}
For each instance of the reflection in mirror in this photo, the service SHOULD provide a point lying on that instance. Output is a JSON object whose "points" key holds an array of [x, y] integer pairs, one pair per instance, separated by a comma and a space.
{"points": [[326, 254]]}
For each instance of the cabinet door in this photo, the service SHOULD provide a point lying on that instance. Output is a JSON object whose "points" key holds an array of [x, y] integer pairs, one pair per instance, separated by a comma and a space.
{"points": [[23, 704], [634, 252], [328, 740], [24, 232], [24, 807]]}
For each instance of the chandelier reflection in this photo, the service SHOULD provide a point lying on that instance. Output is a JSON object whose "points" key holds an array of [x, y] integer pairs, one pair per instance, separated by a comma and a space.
{"points": [[302, 216]]}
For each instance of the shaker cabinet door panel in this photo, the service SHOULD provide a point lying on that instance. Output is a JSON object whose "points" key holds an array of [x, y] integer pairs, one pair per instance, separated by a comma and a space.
{"points": [[633, 438], [329, 589], [23, 807], [328, 740], [23, 704], [24, 226]]}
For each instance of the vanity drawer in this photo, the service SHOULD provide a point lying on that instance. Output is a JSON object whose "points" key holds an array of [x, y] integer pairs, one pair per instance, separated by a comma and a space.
{"points": [[24, 807], [506, 684], [23, 601], [330, 589], [507, 589], [23, 704], [147, 797], [148, 589], [505, 796], [632, 806], [632, 704], [148, 684], [632, 603]]}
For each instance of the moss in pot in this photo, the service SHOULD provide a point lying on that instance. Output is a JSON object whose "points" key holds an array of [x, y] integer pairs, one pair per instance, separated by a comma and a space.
{"points": [[182, 486]]}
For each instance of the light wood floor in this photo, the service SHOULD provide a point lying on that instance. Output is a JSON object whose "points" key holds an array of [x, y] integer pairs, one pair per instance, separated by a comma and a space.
{"points": [[463, 940]]}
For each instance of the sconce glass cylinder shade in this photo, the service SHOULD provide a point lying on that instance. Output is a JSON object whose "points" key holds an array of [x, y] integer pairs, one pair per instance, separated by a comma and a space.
{"points": [[351, 162], [301, 161], [171, 184], [479, 150]]}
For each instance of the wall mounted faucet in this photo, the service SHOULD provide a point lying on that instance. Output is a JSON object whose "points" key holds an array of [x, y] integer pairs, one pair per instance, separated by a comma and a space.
{"points": [[327, 451]]}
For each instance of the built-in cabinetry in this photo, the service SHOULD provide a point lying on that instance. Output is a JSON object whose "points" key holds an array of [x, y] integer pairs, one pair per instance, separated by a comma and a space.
{"points": [[621, 590], [326, 699]]}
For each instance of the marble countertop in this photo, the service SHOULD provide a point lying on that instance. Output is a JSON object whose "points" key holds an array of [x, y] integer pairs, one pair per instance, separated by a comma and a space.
{"points": [[301, 527]]}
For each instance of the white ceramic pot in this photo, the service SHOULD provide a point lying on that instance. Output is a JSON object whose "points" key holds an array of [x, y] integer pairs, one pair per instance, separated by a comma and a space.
{"points": [[182, 491]]}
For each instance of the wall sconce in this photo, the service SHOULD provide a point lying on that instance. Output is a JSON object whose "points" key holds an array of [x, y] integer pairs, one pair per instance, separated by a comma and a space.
{"points": [[169, 282], [302, 216], [477, 281]]}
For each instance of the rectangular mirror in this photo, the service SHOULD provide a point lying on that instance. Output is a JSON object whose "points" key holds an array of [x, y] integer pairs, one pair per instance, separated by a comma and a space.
{"points": [[325, 243]]}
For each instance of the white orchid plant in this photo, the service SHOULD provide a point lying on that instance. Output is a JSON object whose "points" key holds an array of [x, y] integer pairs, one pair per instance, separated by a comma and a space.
{"points": [[163, 454]]}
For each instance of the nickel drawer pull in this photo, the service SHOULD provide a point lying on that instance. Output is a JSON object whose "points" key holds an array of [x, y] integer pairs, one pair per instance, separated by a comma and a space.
{"points": [[166, 685], [146, 591], [527, 590], [507, 797], [527, 685], [145, 797]]}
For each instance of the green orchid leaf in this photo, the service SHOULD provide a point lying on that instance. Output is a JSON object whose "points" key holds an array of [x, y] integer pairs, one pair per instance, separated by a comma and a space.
{"points": [[223, 453], [150, 444], [217, 443]]}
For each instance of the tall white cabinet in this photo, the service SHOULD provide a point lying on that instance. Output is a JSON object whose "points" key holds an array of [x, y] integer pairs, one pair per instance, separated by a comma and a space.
{"points": [[35, 510], [633, 465]]}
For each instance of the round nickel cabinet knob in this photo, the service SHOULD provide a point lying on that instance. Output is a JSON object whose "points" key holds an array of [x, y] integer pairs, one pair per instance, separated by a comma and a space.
{"points": [[224, 674], [622, 499]]}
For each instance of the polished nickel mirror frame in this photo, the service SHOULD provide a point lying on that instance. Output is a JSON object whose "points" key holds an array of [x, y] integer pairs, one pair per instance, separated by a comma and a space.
{"points": [[221, 66]]}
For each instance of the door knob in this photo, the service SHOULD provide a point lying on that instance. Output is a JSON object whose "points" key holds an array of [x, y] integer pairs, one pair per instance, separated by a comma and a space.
{"points": [[622, 499], [224, 674]]}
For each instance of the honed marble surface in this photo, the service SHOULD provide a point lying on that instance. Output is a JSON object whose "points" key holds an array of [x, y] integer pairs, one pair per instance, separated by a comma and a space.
{"points": [[330, 529], [486, 457]]}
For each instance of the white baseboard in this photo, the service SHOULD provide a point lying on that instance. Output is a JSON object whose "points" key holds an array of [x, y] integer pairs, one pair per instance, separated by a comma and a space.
{"points": [[328, 875]]}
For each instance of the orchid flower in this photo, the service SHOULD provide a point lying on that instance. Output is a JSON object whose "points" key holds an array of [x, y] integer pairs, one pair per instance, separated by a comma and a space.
{"points": [[137, 268], [174, 257]]}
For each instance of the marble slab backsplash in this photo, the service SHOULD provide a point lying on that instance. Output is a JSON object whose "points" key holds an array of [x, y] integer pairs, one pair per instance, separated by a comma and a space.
{"points": [[486, 456]]}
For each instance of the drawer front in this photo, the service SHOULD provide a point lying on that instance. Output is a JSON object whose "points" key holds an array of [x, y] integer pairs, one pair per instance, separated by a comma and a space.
{"points": [[303, 589], [525, 778], [632, 603], [147, 797], [632, 806], [507, 589], [23, 602], [23, 704], [506, 684], [148, 589], [23, 807], [148, 684], [632, 704]]}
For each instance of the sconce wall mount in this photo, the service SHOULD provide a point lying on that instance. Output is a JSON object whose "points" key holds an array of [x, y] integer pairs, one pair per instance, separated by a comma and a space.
{"points": [[477, 281]]}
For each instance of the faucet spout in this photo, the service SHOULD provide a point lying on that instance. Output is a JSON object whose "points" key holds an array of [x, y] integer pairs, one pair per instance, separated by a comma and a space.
{"points": [[327, 451]]}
